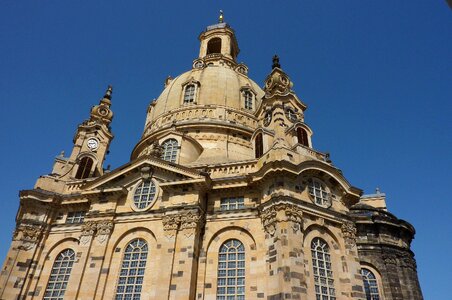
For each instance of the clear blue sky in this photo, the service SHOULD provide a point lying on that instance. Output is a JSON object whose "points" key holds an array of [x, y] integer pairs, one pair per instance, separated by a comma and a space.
{"points": [[376, 76]]}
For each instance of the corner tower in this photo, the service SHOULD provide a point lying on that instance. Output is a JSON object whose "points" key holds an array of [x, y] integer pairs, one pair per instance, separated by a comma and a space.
{"points": [[91, 143]]}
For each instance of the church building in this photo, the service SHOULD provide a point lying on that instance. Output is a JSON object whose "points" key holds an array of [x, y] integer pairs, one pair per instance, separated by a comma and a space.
{"points": [[224, 197]]}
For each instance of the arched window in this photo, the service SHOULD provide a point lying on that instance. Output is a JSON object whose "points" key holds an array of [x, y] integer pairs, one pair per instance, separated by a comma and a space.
{"points": [[170, 148], [231, 271], [370, 285], [319, 193], [302, 137], [84, 168], [59, 276], [133, 265], [189, 94], [144, 194], [214, 46], [323, 274], [259, 145], [248, 99]]}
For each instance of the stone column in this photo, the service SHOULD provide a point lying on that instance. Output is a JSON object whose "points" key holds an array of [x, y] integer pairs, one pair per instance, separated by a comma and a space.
{"points": [[284, 235]]}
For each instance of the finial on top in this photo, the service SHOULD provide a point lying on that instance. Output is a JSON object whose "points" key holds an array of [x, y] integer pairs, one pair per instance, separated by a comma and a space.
{"points": [[377, 190], [220, 19], [108, 92], [276, 62]]}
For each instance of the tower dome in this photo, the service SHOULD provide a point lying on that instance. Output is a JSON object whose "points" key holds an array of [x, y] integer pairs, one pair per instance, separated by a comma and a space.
{"points": [[210, 108]]}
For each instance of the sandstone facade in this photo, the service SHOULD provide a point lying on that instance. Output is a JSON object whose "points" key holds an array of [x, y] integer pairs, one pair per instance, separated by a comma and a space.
{"points": [[224, 198]]}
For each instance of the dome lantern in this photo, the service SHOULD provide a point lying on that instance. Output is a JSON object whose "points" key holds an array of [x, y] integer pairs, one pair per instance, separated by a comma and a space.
{"points": [[218, 41]]}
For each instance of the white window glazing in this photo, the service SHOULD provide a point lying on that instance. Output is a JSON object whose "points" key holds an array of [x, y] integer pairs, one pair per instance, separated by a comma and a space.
{"points": [[189, 93], [370, 285], [59, 276], [170, 150], [248, 98], [144, 194], [319, 192], [75, 217], [231, 271], [232, 203], [323, 274], [132, 271]]}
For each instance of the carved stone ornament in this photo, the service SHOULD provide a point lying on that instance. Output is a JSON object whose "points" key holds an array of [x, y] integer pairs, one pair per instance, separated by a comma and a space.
{"points": [[277, 83], [407, 261], [390, 259], [292, 213], [89, 228], [349, 232], [104, 229], [188, 222], [156, 150], [29, 235], [101, 229]]}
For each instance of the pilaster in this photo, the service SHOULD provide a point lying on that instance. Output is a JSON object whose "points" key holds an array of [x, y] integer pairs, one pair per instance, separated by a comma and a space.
{"points": [[94, 241], [185, 228], [283, 223]]}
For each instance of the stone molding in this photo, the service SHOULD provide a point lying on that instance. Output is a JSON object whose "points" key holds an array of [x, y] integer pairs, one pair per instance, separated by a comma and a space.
{"points": [[270, 216]]}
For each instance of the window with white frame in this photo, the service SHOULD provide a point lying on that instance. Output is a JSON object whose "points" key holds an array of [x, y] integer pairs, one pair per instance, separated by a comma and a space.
{"points": [[319, 192], [131, 275], [323, 274], [231, 271], [59, 276], [232, 203], [248, 99], [170, 150], [74, 217], [144, 194], [370, 285], [189, 93]]}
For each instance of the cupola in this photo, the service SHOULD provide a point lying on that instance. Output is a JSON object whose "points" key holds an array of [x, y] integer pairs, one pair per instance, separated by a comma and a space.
{"points": [[218, 41]]}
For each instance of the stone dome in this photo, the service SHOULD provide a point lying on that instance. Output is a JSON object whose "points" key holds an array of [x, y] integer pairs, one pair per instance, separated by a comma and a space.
{"points": [[216, 85]]}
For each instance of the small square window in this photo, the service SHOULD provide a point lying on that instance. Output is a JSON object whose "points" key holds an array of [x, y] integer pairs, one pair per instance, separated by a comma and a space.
{"points": [[75, 217], [232, 203]]}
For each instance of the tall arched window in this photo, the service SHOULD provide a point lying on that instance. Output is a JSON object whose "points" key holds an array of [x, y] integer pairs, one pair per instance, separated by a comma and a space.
{"points": [[214, 46], [370, 285], [302, 137], [189, 94], [59, 276], [170, 149], [248, 99], [259, 145], [323, 274], [131, 276], [84, 168], [231, 271]]}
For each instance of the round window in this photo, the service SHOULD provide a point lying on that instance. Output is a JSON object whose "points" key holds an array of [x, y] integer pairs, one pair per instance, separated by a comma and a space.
{"points": [[144, 194]]}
